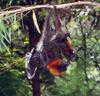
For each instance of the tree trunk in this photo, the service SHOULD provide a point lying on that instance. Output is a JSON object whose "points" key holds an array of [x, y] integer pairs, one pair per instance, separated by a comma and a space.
{"points": [[36, 84]]}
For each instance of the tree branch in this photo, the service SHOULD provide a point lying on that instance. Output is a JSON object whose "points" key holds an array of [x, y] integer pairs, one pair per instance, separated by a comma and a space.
{"points": [[28, 8]]}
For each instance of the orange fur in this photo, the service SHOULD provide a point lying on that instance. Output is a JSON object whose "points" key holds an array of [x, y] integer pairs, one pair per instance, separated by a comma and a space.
{"points": [[52, 67]]}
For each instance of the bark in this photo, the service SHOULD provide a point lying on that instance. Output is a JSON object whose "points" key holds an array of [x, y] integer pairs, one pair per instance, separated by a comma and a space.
{"points": [[36, 84]]}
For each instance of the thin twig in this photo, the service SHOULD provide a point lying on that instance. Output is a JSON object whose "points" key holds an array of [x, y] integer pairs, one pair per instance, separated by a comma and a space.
{"points": [[85, 52], [27, 8]]}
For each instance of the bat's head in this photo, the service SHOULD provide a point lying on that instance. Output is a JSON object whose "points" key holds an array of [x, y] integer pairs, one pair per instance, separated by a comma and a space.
{"points": [[65, 45]]}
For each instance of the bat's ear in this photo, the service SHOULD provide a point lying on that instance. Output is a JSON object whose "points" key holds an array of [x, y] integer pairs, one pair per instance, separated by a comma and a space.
{"points": [[57, 22]]}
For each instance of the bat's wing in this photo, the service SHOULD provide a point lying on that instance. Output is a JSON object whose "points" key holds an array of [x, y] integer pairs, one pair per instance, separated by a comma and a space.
{"points": [[37, 57]]}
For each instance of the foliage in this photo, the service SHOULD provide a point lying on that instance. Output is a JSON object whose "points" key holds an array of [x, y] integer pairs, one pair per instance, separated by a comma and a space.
{"points": [[12, 79]]}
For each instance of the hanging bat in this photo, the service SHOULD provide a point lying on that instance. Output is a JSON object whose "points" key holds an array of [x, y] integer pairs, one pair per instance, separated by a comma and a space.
{"points": [[63, 44], [48, 51]]}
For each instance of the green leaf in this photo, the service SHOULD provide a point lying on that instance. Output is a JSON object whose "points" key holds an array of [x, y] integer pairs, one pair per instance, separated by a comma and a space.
{"points": [[5, 46]]}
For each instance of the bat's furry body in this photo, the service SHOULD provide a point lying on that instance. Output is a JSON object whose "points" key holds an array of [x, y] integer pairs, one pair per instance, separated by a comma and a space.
{"points": [[48, 51]]}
